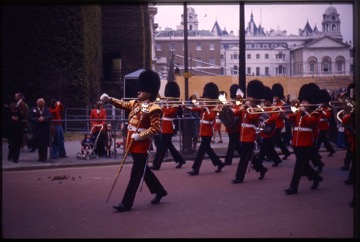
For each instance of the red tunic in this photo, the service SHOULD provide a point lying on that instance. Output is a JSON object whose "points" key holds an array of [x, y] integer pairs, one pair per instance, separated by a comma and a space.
{"points": [[248, 127], [167, 120], [207, 120], [303, 131]]}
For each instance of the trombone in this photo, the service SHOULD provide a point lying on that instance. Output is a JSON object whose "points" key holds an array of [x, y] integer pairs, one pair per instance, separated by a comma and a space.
{"points": [[294, 107]]}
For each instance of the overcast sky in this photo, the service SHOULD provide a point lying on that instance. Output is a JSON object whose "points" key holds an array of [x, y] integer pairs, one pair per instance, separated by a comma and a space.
{"points": [[290, 17]]}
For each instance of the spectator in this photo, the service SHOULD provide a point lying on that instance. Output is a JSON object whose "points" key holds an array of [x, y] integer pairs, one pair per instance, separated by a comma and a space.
{"points": [[40, 118], [57, 145], [98, 122], [24, 110], [14, 132]]}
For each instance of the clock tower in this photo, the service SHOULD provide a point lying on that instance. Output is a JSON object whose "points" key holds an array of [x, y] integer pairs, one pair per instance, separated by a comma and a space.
{"points": [[192, 20]]}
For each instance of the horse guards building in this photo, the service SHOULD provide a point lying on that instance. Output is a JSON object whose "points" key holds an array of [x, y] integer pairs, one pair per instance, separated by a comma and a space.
{"points": [[215, 52]]}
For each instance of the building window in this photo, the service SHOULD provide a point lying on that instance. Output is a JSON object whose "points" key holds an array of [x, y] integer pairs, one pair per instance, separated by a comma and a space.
{"points": [[212, 46], [221, 56], [171, 46], [312, 68], [249, 70], [158, 47], [280, 70], [258, 71], [198, 46], [234, 56], [257, 56], [257, 46], [248, 56], [267, 71], [266, 56], [326, 65], [280, 56], [266, 46]]}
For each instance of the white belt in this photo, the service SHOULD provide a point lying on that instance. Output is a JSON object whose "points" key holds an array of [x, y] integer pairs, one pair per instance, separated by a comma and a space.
{"points": [[248, 126], [167, 119], [206, 122], [323, 119], [132, 128], [303, 129]]}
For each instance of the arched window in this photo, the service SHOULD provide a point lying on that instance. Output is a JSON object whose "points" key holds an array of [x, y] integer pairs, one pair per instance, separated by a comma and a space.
{"points": [[312, 62], [235, 70], [340, 65], [326, 65]]}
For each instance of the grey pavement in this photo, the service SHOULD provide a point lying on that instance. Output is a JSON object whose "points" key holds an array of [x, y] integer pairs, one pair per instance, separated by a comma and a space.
{"points": [[29, 160]]}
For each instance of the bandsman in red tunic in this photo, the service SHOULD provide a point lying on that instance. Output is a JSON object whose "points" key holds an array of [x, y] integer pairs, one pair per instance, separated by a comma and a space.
{"points": [[248, 128], [304, 120], [144, 123], [208, 113], [169, 111]]}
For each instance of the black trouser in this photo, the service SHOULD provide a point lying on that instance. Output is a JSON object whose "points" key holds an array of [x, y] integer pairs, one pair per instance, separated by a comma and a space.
{"points": [[247, 149], [323, 139], [137, 172], [165, 143], [234, 144], [267, 147], [205, 147], [302, 166], [280, 143]]}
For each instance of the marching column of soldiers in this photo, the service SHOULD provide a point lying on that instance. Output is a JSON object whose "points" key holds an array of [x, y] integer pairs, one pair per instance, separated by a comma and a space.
{"points": [[259, 120]]}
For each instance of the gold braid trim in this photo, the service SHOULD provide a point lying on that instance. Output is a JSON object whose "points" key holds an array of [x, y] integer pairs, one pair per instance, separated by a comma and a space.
{"points": [[153, 117]]}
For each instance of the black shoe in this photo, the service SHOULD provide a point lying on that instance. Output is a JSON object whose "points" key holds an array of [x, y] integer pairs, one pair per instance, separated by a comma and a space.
{"points": [[236, 181], [290, 191], [158, 197], [193, 173], [262, 173], [227, 163], [344, 168], [219, 167], [154, 168], [331, 153], [316, 183], [286, 156], [121, 208], [319, 169], [16, 161], [180, 164]]}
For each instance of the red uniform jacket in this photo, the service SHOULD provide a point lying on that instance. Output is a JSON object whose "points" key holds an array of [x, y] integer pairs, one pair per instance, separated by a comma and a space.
{"points": [[167, 120], [303, 131], [280, 123], [248, 127], [207, 120], [270, 120], [348, 123], [144, 119], [324, 118]]}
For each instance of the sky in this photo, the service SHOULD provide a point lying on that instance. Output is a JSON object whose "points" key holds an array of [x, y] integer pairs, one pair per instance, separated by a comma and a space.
{"points": [[290, 17]]}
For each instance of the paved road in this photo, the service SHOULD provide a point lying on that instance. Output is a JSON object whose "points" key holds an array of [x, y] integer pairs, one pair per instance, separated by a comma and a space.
{"points": [[70, 202]]}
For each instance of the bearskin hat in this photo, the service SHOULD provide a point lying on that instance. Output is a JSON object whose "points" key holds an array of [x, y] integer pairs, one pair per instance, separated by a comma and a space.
{"points": [[211, 90], [149, 81], [233, 90], [268, 94], [309, 92], [255, 89], [278, 90], [172, 89], [324, 96]]}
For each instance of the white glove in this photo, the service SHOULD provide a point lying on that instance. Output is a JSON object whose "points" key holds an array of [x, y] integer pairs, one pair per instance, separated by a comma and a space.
{"points": [[135, 136], [104, 97]]}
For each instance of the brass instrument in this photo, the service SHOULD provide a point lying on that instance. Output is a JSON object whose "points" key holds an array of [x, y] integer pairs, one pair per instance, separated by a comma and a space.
{"points": [[295, 106]]}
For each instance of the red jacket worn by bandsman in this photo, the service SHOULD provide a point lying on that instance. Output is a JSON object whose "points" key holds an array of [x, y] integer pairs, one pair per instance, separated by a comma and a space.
{"points": [[144, 118], [348, 122], [248, 125], [280, 123], [303, 130], [325, 114], [167, 120], [207, 120]]}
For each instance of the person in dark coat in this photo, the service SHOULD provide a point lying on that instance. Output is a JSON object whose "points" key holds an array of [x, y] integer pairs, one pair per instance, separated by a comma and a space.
{"points": [[40, 118], [14, 132]]}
